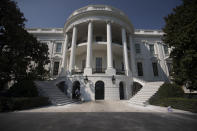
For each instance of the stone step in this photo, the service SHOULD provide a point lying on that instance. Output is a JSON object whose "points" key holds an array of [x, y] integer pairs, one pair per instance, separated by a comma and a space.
{"points": [[147, 91], [55, 95]]}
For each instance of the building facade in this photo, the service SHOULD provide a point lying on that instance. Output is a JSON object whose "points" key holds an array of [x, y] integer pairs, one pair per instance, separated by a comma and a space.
{"points": [[99, 52]]}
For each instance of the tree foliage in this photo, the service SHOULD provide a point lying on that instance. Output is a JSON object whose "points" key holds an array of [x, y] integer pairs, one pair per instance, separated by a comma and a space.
{"points": [[21, 54], [181, 34]]}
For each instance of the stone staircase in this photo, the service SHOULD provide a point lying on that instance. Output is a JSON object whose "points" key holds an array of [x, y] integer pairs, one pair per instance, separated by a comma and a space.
{"points": [[147, 91], [49, 89]]}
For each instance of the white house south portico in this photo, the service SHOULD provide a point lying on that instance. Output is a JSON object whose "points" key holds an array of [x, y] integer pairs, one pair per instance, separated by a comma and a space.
{"points": [[99, 53]]}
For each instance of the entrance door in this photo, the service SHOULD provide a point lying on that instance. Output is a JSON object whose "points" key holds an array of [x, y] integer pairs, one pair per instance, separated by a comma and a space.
{"points": [[76, 90], [99, 90], [55, 68], [121, 90]]}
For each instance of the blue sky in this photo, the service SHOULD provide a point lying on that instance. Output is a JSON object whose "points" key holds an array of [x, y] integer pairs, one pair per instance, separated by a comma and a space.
{"points": [[143, 14]]}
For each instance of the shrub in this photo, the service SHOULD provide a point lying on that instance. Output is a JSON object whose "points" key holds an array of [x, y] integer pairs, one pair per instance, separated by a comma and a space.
{"points": [[165, 91], [20, 103], [170, 90], [25, 88]]}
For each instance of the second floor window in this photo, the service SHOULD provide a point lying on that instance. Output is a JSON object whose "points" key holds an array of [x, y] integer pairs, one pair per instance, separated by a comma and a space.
{"points": [[140, 68], [152, 50], [155, 69], [99, 38], [122, 67], [99, 64], [165, 49], [137, 48], [83, 64], [58, 47]]}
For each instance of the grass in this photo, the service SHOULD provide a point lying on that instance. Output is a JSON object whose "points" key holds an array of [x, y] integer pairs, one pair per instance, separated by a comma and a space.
{"points": [[187, 104]]}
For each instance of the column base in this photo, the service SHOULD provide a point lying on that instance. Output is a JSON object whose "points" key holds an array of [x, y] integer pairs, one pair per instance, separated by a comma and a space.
{"points": [[110, 71], [87, 71]]}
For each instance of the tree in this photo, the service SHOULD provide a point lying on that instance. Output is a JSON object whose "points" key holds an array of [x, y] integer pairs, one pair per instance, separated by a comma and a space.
{"points": [[181, 34], [20, 53]]}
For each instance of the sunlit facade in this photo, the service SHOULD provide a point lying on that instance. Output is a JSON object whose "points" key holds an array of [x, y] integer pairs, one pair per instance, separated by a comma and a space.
{"points": [[99, 52]]}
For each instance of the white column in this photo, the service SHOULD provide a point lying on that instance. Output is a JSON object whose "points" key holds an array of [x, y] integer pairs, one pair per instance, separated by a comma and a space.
{"points": [[110, 70], [132, 56], [73, 46], [88, 69], [64, 64], [125, 53]]}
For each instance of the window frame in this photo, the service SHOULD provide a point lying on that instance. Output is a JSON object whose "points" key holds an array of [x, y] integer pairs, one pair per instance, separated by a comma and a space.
{"points": [[140, 72], [155, 69], [56, 47], [57, 68], [152, 49], [137, 48]]}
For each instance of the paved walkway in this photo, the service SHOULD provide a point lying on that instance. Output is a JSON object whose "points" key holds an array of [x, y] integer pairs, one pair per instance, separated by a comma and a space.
{"points": [[105, 106], [97, 116]]}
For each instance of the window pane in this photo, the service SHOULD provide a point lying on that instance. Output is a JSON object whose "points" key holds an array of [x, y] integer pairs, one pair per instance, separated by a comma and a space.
{"points": [[166, 49], [169, 65], [55, 68], [155, 69], [122, 66], [83, 64], [137, 48], [98, 38], [58, 47], [152, 51], [98, 64], [140, 69]]}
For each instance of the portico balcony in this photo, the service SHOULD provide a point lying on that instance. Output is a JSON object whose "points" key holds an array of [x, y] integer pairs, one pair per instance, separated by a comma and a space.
{"points": [[96, 71]]}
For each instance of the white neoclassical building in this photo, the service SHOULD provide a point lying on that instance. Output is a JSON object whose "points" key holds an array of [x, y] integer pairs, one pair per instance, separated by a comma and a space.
{"points": [[100, 53]]}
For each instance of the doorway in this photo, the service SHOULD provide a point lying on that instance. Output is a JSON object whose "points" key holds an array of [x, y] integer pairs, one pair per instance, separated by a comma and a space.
{"points": [[76, 90], [121, 90], [99, 90]]}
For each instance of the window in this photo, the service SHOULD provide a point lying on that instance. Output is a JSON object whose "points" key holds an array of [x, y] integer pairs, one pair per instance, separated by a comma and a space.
{"points": [[140, 68], [152, 50], [114, 64], [98, 64], [155, 69], [165, 49], [137, 48], [98, 38], [122, 66], [58, 47], [83, 64], [55, 68], [169, 65]]}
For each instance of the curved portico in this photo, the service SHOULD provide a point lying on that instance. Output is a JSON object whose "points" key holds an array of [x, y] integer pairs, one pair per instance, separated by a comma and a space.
{"points": [[97, 47]]}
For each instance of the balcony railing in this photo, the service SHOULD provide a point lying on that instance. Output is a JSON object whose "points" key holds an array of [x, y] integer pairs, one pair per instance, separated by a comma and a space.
{"points": [[98, 70]]}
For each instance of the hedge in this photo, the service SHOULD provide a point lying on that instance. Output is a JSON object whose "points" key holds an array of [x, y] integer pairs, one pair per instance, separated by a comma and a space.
{"points": [[24, 88], [20, 103]]}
